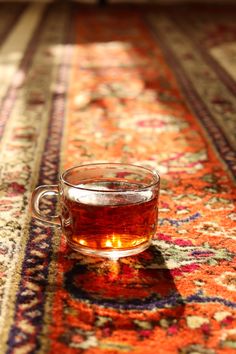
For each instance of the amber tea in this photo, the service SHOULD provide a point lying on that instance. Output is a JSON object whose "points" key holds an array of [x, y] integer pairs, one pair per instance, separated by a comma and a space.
{"points": [[104, 221], [106, 209]]}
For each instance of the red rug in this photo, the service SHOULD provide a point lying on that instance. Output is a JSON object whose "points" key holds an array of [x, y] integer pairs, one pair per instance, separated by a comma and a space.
{"points": [[153, 86]]}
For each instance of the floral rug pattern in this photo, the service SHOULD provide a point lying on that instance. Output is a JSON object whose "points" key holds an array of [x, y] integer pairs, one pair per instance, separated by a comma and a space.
{"points": [[152, 86]]}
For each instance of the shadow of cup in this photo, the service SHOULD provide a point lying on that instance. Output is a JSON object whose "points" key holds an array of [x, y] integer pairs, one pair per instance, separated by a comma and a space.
{"points": [[137, 283]]}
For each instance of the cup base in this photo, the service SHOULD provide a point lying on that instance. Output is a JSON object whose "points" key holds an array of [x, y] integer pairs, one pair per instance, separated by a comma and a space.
{"points": [[110, 253]]}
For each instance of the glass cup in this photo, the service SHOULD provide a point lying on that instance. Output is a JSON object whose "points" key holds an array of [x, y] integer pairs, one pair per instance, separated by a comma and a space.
{"points": [[105, 209]]}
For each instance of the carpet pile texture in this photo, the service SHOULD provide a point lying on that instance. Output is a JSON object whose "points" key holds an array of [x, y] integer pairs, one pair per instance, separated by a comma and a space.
{"points": [[154, 86]]}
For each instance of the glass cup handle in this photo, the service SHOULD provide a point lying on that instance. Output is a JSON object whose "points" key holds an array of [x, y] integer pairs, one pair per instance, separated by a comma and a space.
{"points": [[39, 193]]}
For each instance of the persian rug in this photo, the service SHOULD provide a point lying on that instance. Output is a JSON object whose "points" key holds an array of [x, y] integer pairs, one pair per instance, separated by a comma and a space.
{"points": [[154, 86]]}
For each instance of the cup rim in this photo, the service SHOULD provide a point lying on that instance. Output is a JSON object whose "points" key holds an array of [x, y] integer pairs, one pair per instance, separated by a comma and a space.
{"points": [[154, 173]]}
